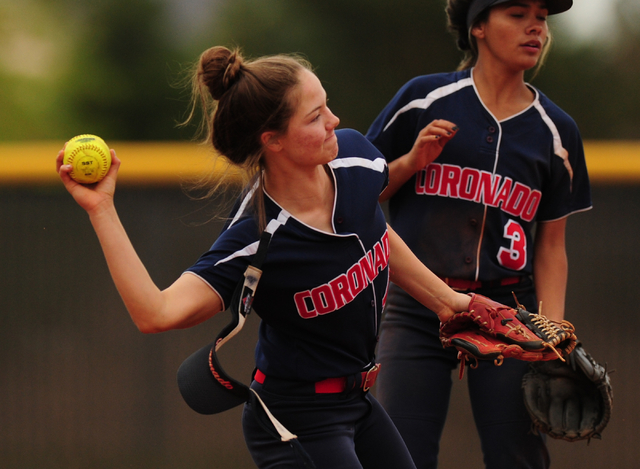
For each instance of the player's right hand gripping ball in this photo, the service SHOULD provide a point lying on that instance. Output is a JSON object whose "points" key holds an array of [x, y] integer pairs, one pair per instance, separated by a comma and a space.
{"points": [[90, 158]]}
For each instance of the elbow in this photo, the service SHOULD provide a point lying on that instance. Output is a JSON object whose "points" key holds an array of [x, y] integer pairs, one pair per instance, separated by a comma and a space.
{"points": [[165, 323], [149, 329], [152, 327]]}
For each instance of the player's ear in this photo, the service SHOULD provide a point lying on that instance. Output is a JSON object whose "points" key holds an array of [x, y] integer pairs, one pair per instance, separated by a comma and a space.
{"points": [[271, 141], [478, 30]]}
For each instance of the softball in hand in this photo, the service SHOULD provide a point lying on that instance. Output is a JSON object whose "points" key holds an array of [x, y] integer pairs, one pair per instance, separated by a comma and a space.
{"points": [[89, 157]]}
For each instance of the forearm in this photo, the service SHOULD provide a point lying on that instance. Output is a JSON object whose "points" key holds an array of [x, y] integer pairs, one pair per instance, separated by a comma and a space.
{"points": [[185, 303], [550, 269], [550, 275], [409, 273], [130, 276]]}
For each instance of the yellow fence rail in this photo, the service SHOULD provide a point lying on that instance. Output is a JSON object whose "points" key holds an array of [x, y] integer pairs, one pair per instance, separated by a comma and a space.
{"points": [[173, 163]]}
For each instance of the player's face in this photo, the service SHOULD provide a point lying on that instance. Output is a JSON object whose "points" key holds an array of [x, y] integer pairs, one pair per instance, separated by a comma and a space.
{"points": [[514, 34], [310, 138]]}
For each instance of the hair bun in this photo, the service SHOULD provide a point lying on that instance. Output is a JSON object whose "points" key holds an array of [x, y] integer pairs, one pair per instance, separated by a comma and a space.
{"points": [[219, 69]]}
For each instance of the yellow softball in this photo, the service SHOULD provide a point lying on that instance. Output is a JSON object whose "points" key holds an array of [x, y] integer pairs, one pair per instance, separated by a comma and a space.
{"points": [[89, 157]]}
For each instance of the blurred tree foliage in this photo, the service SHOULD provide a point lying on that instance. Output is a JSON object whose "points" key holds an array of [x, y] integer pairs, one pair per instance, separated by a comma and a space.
{"points": [[110, 71], [117, 82], [598, 85], [108, 66], [363, 50]]}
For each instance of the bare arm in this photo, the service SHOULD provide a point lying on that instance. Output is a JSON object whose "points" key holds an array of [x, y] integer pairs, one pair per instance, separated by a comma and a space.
{"points": [[189, 301], [417, 280], [427, 147], [550, 268]]}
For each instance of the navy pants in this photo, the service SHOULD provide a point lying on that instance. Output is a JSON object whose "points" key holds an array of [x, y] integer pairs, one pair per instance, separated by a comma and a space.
{"points": [[415, 382], [338, 431]]}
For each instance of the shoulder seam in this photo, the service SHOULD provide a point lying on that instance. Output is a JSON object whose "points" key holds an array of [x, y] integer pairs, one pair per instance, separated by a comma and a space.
{"points": [[377, 164], [252, 248], [431, 97]]}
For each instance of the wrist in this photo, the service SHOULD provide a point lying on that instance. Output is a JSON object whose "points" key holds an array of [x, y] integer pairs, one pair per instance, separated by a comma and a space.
{"points": [[104, 211], [412, 162], [463, 302]]}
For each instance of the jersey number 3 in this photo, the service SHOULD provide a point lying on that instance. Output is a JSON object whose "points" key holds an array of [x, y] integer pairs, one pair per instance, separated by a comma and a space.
{"points": [[515, 256]]}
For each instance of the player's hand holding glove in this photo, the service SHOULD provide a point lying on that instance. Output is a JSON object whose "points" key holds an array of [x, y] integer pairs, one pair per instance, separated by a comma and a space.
{"points": [[569, 400], [493, 331]]}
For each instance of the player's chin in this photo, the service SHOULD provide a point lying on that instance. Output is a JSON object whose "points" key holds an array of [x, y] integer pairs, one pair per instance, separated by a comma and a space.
{"points": [[330, 149], [334, 152], [529, 61]]}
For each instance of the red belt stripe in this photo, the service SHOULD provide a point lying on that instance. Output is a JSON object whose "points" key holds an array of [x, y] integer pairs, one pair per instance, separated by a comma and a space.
{"points": [[335, 385]]}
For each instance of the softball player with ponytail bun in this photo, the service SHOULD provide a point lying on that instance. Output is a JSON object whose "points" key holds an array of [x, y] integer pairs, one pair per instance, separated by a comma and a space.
{"points": [[483, 172], [324, 280]]}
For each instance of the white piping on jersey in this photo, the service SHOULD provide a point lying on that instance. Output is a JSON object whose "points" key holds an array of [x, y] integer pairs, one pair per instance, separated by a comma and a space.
{"points": [[428, 100], [306, 224], [252, 248], [558, 149], [495, 169], [444, 91], [557, 144], [188, 272], [379, 164], [335, 198], [567, 215], [376, 165]]}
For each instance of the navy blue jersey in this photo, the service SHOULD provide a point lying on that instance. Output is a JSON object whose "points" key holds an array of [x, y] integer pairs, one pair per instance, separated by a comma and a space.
{"points": [[321, 294], [470, 214]]}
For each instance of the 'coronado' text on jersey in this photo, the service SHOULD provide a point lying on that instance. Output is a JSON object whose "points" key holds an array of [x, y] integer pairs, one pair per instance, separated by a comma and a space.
{"points": [[331, 296], [446, 180]]}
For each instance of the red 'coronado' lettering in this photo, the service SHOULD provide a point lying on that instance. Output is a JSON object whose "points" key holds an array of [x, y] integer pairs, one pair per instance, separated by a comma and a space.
{"points": [[343, 289], [446, 180], [488, 187], [450, 181], [356, 277], [469, 180], [341, 292]]}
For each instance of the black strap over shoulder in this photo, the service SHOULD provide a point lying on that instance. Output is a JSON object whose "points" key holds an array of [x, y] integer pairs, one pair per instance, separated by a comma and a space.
{"points": [[204, 384], [242, 299]]}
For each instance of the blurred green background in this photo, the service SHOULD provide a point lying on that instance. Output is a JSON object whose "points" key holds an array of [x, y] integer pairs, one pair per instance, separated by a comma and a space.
{"points": [[80, 387], [108, 66]]}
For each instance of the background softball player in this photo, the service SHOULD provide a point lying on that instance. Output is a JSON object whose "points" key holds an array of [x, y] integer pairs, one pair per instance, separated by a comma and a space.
{"points": [[484, 170], [326, 272]]}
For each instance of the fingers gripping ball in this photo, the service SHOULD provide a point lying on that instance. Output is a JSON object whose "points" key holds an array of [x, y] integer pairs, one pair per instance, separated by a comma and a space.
{"points": [[89, 157]]}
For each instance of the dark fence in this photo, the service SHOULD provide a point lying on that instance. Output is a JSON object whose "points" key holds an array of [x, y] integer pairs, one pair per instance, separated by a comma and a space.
{"points": [[80, 387]]}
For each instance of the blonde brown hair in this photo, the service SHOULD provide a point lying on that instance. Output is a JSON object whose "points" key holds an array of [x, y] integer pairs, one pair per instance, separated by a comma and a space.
{"points": [[240, 100]]}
